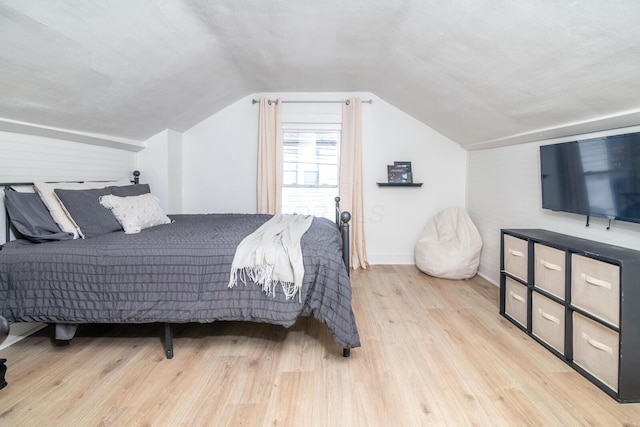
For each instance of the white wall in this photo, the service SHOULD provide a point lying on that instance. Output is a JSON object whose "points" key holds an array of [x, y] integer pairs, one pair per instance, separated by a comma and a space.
{"points": [[220, 161], [503, 191], [395, 217], [160, 165], [220, 158], [153, 166], [174, 151]]}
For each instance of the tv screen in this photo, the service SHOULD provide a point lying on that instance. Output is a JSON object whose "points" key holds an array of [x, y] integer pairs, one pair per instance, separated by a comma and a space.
{"points": [[595, 177]]}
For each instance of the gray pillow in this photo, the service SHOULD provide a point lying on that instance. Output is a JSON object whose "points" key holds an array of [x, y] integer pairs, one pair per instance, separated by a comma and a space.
{"points": [[31, 218], [89, 215], [129, 190]]}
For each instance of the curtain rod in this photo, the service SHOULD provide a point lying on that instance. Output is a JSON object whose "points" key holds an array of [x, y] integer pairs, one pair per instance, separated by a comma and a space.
{"points": [[367, 101]]}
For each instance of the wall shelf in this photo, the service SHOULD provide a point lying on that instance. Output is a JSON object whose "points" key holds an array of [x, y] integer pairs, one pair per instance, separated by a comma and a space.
{"points": [[399, 184]]}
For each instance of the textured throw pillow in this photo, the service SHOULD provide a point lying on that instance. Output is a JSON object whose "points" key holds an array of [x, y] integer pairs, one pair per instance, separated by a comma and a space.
{"points": [[89, 216], [31, 219], [45, 190], [135, 213]]}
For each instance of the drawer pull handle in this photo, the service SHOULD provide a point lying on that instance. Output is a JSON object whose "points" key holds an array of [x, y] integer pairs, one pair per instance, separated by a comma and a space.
{"points": [[517, 297], [596, 282], [596, 344], [548, 316], [550, 266], [516, 253]]}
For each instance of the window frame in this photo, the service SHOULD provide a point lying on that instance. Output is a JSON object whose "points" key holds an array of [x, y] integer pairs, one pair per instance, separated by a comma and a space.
{"points": [[289, 127]]}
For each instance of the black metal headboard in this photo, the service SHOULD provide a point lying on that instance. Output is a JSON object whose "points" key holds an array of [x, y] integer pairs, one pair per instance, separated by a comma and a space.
{"points": [[7, 185], [342, 221]]}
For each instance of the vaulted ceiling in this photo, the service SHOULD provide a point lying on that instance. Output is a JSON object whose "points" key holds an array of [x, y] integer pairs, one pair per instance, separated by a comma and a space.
{"points": [[481, 72]]}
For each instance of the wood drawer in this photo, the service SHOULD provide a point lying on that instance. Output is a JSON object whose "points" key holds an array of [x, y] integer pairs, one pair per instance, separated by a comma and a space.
{"points": [[515, 256], [547, 321], [515, 301], [549, 270], [596, 349], [595, 288]]}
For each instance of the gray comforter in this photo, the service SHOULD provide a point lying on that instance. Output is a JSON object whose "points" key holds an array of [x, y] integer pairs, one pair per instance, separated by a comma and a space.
{"points": [[173, 273]]}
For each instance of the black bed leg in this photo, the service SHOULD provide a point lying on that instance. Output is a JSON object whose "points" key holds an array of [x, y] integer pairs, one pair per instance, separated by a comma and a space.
{"points": [[168, 340], [346, 352], [3, 370], [4, 333]]}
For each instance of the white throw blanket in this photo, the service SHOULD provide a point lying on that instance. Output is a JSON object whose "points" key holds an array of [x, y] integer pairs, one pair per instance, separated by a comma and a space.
{"points": [[272, 254]]}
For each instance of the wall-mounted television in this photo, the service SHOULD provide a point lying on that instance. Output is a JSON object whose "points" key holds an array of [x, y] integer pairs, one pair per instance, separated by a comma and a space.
{"points": [[593, 177]]}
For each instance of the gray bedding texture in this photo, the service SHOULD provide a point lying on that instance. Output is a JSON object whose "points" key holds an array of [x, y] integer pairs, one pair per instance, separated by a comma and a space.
{"points": [[172, 273]]}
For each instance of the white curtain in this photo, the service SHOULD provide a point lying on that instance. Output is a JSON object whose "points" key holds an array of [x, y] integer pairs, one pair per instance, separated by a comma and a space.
{"points": [[269, 156], [351, 179]]}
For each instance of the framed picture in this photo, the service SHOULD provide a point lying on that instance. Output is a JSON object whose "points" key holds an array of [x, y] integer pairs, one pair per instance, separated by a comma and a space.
{"points": [[404, 165], [398, 174]]}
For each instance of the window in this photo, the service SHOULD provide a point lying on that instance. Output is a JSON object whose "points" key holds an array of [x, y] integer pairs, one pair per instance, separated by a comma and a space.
{"points": [[310, 160]]}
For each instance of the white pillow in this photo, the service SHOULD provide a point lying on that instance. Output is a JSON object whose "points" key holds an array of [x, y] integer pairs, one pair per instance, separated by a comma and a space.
{"points": [[135, 213], [56, 209]]}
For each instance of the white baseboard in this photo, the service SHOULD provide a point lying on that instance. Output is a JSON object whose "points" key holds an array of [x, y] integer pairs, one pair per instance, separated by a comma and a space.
{"points": [[390, 259], [489, 279], [19, 331]]}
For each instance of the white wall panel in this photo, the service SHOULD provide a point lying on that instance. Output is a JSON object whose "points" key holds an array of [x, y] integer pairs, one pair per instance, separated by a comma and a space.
{"points": [[28, 158]]}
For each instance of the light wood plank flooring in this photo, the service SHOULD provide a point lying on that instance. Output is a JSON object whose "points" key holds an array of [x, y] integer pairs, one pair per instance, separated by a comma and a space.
{"points": [[434, 352]]}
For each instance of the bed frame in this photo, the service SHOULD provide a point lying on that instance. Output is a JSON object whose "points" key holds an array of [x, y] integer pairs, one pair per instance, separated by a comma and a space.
{"points": [[342, 222]]}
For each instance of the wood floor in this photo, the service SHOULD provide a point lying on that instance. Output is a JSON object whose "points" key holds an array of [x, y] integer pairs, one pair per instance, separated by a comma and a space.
{"points": [[434, 352]]}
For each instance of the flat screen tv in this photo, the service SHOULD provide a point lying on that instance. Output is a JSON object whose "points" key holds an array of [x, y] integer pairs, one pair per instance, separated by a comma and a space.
{"points": [[594, 177]]}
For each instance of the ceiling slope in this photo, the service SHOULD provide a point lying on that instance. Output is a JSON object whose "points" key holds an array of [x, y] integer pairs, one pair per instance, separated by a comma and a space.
{"points": [[482, 72]]}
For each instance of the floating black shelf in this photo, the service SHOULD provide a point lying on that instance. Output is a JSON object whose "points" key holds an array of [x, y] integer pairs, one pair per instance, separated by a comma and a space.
{"points": [[399, 184]]}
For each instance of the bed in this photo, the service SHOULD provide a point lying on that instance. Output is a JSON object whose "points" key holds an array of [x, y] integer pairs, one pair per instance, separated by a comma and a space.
{"points": [[175, 272]]}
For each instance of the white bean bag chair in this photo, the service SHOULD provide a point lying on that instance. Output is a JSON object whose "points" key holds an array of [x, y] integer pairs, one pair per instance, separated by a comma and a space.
{"points": [[449, 246]]}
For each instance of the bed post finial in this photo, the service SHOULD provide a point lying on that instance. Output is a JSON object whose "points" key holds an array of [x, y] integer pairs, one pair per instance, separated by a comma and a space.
{"points": [[136, 177]]}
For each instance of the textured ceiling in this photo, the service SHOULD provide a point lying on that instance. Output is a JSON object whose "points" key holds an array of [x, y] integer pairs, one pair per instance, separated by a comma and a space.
{"points": [[478, 71]]}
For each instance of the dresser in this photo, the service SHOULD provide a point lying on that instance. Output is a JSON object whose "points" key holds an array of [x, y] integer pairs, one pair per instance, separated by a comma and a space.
{"points": [[578, 298]]}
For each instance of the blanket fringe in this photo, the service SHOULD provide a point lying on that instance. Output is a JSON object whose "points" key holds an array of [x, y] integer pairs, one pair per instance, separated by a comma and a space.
{"points": [[272, 255], [262, 275]]}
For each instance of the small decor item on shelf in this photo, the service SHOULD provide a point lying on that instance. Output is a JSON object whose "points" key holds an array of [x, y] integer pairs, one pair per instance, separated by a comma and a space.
{"points": [[400, 172]]}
